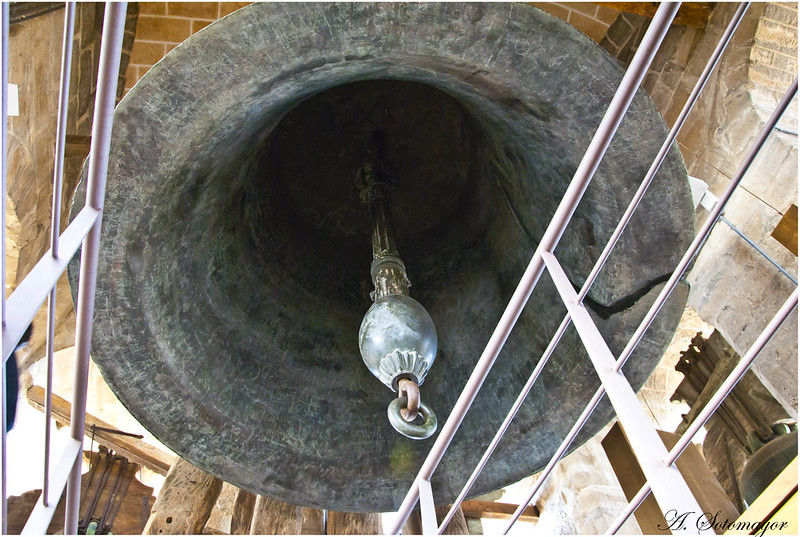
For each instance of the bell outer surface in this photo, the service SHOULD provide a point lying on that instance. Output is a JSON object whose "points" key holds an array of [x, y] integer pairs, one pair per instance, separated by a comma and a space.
{"points": [[225, 314]]}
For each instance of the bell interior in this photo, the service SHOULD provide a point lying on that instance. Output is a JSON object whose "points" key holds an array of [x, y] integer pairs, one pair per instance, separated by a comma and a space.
{"points": [[235, 262]]}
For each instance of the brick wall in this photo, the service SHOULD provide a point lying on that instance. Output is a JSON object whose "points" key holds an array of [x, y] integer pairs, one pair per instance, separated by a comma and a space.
{"points": [[591, 19], [773, 58], [164, 25]]}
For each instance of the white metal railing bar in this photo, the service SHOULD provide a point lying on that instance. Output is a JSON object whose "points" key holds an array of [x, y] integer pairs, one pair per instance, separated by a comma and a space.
{"points": [[108, 74], [711, 64], [662, 154], [427, 509], [667, 483], [633, 505], [587, 412], [55, 229], [4, 143], [712, 405], [31, 293], [42, 515], [504, 426], [707, 227], [4, 18], [734, 376], [755, 246], [562, 449], [583, 175]]}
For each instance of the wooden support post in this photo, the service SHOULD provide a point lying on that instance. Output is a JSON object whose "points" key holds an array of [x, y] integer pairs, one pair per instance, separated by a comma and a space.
{"points": [[457, 526], [133, 449], [274, 517], [499, 510], [187, 497], [702, 483], [242, 516], [354, 523]]}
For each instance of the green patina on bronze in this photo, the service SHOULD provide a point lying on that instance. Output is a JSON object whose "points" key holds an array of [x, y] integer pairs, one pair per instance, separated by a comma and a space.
{"points": [[234, 270]]}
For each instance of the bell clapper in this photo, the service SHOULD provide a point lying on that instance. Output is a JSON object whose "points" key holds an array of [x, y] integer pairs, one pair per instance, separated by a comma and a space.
{"points": [[397, 338]]}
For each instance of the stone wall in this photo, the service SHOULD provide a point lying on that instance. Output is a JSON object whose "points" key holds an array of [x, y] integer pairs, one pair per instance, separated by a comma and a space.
{"points": [[773, 58], [35, 66], [734, 287]]}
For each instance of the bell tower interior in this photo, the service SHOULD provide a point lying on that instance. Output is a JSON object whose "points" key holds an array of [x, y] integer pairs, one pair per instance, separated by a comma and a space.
{"points": [[234, 267]]}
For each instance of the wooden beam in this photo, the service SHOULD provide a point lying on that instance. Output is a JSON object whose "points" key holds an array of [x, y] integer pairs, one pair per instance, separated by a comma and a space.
{"points": [[457, 526], [704, 486], [133, 449], [340, 523], [484, 509], [274, 517], [77, 146], [185, 502], [242, 516], [786, 231], [693, 14]]}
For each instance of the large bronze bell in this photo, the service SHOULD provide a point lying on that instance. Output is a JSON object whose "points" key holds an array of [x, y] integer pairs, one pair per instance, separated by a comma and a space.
{"points": [[235, 265]]}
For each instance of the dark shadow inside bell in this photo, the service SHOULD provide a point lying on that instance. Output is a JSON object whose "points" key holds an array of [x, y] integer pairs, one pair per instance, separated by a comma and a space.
{"points": [[429, 146]]}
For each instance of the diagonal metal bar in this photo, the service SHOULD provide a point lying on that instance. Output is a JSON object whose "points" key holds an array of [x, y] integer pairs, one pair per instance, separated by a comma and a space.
{"points": [[55, 228], [427, 508], [755, 246], [509, 417], [662, 153], [108, 74], [31, 293], [633, 505], [580, 181], [42, 514], [576, 428], [4, 19], [669, 488], [705, 231]]}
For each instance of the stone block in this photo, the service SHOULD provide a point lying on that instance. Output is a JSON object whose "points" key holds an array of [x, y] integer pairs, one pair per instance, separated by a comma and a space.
{"points": [[131, 76], [609, 47], [619, 32], [586, 8], [668, 47], [787, 63], [770, 77], [557, 10], [171, 30], [588, 25], [781, 13], [226, 8], [661, 95], [761, 55], [194, 10], [198, 25], [607, 14], [144, 53], [779, 37], [650, 82], [152, 8]]}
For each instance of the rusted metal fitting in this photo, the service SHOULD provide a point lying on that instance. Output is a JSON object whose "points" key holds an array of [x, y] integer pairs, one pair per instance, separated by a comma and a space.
{"points": [[408, 388]]}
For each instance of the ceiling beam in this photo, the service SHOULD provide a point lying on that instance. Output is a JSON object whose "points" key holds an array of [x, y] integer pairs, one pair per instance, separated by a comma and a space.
{"points": [[693, 14]]}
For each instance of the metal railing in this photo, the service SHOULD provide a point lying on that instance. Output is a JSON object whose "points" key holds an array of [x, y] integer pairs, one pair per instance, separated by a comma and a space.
{"points": [[663, 479], [40, 284]]}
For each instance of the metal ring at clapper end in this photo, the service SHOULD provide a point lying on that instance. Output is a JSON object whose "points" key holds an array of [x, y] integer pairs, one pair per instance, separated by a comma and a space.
{"points": [[412, 430]]}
